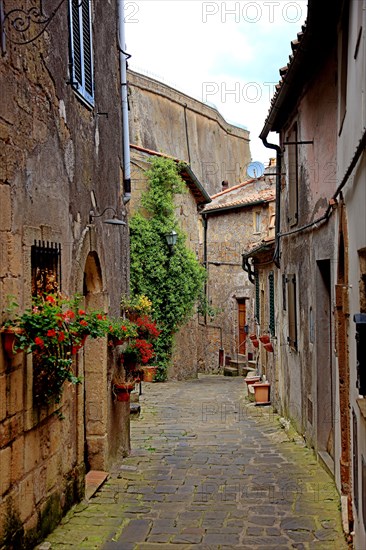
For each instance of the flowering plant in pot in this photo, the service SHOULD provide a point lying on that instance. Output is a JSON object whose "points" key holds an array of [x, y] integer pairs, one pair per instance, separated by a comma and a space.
{"points": [[53, 330], [136, 306], [120, 331]]}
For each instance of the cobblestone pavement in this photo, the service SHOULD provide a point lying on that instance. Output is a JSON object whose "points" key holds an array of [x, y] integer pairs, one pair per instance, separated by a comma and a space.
{"points": [[209, 471]]}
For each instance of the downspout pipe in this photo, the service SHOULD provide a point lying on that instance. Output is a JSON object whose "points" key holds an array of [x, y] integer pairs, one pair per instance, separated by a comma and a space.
{"points": [[123, 57], [277, 148], [205, 262]]}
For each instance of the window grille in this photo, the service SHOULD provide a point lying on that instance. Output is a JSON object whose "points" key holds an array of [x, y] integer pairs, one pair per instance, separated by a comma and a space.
{"points": [[46, 268]]}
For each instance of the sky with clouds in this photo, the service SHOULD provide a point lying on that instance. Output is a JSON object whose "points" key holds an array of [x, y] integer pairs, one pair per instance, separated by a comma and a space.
{"points": [[224, 53]]}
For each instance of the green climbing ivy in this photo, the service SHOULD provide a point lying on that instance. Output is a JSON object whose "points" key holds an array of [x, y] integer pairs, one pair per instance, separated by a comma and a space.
{"points": [[174, 281]]}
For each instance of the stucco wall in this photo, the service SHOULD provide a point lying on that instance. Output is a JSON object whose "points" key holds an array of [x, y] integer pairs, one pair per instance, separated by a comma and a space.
{"points": [[304, 369], [57, 157], [354, 195], [165, 120]]}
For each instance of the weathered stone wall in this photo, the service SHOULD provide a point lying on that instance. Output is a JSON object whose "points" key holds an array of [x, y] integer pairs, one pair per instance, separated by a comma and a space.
{"points": [[229, 234], [59, 159], [166, 120]]}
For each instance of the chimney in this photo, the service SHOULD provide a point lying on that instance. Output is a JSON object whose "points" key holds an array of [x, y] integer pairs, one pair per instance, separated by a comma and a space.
{"points": [[225, 185]]}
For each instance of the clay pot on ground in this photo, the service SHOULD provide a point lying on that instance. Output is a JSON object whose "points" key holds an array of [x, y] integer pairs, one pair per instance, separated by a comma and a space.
{"points": [[262, 393], [149, 373], [251, 380]]}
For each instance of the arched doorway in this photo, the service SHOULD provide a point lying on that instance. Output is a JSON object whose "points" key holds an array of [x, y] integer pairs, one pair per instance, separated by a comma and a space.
{"points": [[95, 373]]}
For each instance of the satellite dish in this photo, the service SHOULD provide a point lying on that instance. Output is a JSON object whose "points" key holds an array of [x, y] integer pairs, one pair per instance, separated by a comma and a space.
{"points": [[255, 169]]}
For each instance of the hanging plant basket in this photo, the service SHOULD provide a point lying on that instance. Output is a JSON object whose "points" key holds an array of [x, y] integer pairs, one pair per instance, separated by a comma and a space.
{"points": [[268, 347], [122, 390], [9, 335], [265, 339]]}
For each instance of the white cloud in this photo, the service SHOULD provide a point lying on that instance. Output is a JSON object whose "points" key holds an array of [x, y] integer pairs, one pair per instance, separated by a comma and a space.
{"points": [[214, 50]]}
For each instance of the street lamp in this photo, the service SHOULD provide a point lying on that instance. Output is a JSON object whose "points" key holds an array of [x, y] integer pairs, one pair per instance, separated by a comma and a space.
{"points": [[110, 221], [171, 239]]}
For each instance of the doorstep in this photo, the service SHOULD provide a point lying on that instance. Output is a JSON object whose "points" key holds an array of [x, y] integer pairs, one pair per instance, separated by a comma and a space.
{"points": [[93, 480]]}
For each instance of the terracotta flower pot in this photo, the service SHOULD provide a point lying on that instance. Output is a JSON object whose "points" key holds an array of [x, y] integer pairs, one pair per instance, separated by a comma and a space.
{"points": [[262, 393], [255, 343], [268, 347], [265, 339], [249, 380], [253, 336], [149, 373], [122, 391], [9, 340]]}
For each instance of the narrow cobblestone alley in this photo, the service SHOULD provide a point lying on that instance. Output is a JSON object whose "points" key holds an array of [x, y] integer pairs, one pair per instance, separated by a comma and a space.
{"points": [[208, 470]]}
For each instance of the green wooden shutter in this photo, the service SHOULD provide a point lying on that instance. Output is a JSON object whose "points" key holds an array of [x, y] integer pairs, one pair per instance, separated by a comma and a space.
{"points": [[257, 297], [271, 303], [292, 312]]}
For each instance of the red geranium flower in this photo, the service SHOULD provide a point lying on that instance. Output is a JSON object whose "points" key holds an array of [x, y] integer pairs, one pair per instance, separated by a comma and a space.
{"points": [[50, 299], [51, 333], [84, 323], [39, 342], [61, 337], [82, 312]]}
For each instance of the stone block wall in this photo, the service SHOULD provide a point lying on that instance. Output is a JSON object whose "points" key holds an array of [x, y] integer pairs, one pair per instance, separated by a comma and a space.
{"points": [[59, 159]]}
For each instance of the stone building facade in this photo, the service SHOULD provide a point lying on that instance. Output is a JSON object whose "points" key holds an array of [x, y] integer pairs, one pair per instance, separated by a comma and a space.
{"points": [[166, 120], [236, 219], [60, 148], [318, 111]]}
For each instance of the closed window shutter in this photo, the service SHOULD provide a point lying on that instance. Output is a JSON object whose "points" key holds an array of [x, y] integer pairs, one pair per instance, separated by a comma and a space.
{"points": [[88, 67], [257, 297], [81, 51], [292, 313], [271, 304]]}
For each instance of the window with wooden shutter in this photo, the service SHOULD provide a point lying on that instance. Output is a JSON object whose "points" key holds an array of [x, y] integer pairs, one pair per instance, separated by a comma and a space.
{"points": [[292, 312], [271, 304], [257, 297], [293, 177], [81, 51]]}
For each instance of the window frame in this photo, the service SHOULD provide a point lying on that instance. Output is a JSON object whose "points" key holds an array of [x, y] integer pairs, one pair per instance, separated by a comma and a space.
{"points": [[81, 84], [292, 338]]}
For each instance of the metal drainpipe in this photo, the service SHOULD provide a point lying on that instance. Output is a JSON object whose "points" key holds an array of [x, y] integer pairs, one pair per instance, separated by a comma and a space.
{"points": [[123, 56], [205, 263], [277, 148]]}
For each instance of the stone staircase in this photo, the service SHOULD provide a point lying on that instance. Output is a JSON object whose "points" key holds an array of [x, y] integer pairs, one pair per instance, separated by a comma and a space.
{"points": [[239, 366]]}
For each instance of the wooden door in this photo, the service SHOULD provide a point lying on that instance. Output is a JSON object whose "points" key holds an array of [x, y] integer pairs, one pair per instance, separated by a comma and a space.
{"points": [[241, 324]]}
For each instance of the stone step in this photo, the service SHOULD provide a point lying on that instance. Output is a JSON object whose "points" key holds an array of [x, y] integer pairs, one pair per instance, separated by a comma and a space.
{"points": [[231, 371]]}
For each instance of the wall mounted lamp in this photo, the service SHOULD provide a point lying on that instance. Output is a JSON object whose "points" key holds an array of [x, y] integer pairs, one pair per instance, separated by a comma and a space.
{"points": [[111, 221], [171, 239]]}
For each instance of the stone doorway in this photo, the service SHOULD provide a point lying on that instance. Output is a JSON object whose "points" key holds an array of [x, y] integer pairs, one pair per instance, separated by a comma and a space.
{"points": [[242, 319], [95, 374], [325, 368]]}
